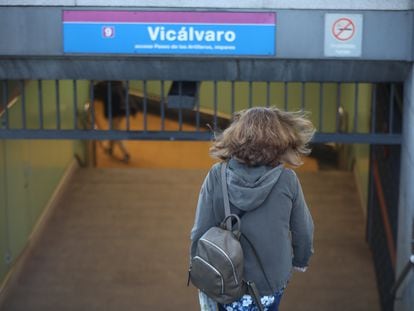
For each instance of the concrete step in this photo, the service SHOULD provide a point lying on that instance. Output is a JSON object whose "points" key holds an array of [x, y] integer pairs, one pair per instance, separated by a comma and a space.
{"points": [[341, 274], [119, 241]]}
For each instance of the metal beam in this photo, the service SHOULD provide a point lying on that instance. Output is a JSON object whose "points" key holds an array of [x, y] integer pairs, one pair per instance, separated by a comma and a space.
{"points": [[405, 243], [392, 139], [105, 135], [387, 34], [374, 139], [199, 69], [219, 4]]}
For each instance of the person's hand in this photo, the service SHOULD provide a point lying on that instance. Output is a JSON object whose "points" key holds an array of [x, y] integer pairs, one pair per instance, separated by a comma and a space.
{"points": [[300, 269]]}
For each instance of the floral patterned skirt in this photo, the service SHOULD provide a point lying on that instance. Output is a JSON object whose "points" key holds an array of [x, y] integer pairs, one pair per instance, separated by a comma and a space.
{"points": [[245, 303]]}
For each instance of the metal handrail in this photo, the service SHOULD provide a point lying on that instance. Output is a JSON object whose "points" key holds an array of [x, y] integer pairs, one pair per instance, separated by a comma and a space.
{"points": [[404, 273], [384, 213]]}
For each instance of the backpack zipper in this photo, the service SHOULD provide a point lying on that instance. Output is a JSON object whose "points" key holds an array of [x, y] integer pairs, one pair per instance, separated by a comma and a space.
{"points": [[214, 269], [227, 256]]}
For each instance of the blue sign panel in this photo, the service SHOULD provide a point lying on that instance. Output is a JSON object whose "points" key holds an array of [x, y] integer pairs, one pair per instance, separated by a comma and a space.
{"points": [[185, 33]]}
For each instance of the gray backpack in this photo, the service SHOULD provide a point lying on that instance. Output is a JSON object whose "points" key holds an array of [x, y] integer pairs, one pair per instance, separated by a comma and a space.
{"points": [[217, 267]]}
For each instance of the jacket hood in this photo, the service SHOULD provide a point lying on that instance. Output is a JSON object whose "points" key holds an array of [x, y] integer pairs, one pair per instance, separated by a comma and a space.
{"points": [[249, 186]]}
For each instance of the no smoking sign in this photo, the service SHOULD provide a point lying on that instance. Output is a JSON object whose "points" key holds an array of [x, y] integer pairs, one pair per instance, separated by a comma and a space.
{"points": [[343, 29], [343, 35]]}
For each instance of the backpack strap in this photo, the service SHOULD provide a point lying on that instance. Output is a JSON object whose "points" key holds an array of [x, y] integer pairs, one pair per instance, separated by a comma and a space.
{"points": [[255, 294], [225, 195], [250, 285], [259, 261]]}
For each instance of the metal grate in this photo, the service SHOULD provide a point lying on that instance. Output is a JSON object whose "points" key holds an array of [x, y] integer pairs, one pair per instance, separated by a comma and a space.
{"points": [[72, 109]]}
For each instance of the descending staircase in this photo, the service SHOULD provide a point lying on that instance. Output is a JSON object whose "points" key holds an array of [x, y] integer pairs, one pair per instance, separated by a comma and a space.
{"points": [[341, 274], [118, 240]]}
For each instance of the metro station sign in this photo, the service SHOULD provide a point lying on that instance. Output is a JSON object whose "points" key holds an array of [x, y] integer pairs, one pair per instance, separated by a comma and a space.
{"points": [[167, 33]]}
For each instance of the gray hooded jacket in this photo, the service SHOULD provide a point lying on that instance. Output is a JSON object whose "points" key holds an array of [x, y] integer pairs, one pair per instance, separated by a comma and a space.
{"points": [[275, 219]]}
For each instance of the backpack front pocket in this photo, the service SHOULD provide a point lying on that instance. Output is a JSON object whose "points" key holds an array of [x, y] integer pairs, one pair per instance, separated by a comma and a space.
{"points": [[206, 277]]}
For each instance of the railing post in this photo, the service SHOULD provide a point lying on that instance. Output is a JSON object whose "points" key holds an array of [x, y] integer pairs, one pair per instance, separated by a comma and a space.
{"points": [[405, 295]]}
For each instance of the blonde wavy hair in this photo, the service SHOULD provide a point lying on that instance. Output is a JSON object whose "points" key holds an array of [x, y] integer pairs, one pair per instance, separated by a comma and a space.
{"points": [[265, 136]]}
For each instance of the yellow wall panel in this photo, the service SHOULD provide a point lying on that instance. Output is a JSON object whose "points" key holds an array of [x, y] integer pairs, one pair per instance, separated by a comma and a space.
{"points": [[30, 170]]}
